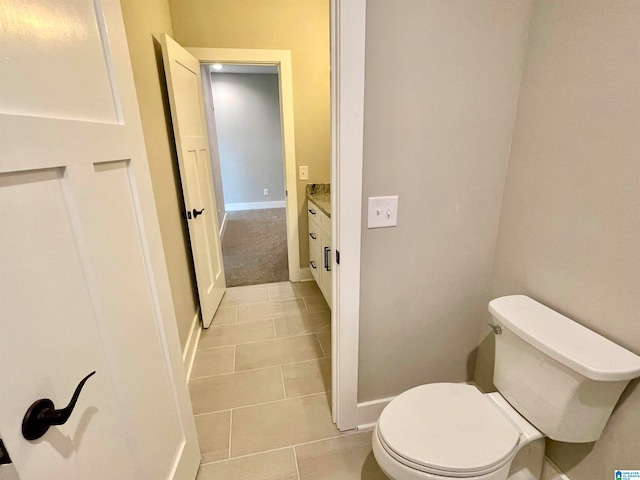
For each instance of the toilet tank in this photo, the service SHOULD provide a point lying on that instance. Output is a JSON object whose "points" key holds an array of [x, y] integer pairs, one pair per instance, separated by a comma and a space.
{"points": [[562, 377]]}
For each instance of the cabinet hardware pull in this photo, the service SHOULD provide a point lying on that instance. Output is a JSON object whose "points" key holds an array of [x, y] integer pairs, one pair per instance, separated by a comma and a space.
{"points": [[312, 211], [313, 236], [313, 264], [326, 259]]}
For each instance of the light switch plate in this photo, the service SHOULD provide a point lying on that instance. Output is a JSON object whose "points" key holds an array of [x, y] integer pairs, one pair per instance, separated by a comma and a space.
{"points": [[383, 212], [303, 173]]}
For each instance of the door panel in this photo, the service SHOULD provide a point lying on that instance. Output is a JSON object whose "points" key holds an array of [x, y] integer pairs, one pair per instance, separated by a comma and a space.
{"points": [[186, 84], [187, 110], [202, 246], [50, 332], [49, 38], [93, 186], [83, 283]]}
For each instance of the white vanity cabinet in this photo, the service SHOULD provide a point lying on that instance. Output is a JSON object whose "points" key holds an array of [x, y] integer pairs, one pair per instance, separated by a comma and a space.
{"points": [[320, 253]]}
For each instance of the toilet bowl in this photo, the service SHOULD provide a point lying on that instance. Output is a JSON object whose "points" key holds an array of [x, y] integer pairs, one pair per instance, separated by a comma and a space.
{"points": [[444, 430], [555, 378]]}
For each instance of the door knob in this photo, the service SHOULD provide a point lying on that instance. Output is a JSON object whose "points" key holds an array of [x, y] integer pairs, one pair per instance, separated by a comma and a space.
{"points": [[197, 212], [42, 414]]}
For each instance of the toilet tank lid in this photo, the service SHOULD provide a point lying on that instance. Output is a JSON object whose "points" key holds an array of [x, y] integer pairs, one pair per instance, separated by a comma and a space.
{"points": [[565, 340]]}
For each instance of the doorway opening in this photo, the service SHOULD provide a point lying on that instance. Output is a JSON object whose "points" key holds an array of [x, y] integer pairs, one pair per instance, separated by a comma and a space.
{"points": [[243, 112], [280, 61]]}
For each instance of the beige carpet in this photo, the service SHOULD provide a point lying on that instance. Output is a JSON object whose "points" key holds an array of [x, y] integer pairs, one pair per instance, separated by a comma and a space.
{"points": [[254, 247]]}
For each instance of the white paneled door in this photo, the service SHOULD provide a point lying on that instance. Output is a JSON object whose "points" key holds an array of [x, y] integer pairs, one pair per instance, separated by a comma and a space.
{"points": [[190, 130], [83, 283]]}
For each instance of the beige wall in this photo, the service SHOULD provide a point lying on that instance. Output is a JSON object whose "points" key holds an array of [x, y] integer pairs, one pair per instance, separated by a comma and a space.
{"points": [[441, 91], [570, 226], [299, 26], [144, 21]]}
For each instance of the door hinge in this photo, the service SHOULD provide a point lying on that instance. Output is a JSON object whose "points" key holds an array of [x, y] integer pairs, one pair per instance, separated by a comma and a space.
{"points": [[4, 455], [337, 257]]}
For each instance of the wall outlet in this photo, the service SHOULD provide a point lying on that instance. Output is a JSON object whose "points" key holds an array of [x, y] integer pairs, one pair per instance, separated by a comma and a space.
{"points": [[383, 212], [266, 192], [303, 173]]}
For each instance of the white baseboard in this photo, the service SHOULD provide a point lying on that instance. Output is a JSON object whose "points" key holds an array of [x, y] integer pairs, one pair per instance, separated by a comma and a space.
{"points": [[550, 471], [305, 275], [367, 413], [234, 207], [189, 354], [224, 224]]}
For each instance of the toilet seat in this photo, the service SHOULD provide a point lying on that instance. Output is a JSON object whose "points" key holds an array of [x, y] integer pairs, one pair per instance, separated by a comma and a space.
{"points": [[447, 429]]}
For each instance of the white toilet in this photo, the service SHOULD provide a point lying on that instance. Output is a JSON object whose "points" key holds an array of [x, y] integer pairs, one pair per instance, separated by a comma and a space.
{"points": [[555, 378]]}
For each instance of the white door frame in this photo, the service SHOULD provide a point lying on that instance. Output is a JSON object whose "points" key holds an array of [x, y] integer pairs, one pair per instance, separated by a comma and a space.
{"points": [[347, 126], [282, 59]]}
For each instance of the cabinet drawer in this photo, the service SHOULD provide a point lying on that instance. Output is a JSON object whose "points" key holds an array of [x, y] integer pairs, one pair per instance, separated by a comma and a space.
{"points": [[314, 213], [325, 222], [319, 217], [315, 263], [314, 236]]}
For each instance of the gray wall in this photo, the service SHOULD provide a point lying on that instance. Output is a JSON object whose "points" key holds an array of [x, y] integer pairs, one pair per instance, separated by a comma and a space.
{"points": [[570, 226], [247, 113], [441, 91]]}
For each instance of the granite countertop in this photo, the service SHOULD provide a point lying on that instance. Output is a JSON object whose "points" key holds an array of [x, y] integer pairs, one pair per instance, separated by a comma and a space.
{"points": [[320, 195]]}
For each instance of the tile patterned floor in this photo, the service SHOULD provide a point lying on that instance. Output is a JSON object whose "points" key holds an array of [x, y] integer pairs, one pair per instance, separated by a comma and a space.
{"points": [[260, 390]]}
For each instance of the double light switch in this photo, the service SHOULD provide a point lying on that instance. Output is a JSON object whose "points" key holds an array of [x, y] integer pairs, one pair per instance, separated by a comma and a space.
{"points": [[383, 212]]}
